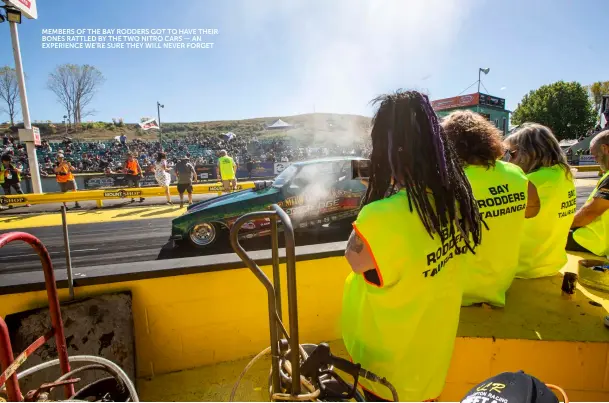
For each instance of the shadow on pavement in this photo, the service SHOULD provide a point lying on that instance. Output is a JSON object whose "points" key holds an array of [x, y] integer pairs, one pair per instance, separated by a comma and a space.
{"points": [[168, 251], [159, 212]]}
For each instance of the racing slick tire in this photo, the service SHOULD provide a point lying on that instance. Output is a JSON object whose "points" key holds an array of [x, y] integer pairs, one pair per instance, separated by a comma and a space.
{"points": [[206, 235]]}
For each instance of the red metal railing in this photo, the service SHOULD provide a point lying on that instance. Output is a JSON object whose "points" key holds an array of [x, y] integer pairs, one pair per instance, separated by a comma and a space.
{"points": [[9, 364]]}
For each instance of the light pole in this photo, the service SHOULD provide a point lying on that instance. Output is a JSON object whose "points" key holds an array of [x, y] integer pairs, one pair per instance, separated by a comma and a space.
{"points": [[13, 15], [481, 70], [158, 111], [65, 124]]}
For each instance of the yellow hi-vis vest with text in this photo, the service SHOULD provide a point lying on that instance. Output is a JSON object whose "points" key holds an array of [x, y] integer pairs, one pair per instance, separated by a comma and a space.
{"points": [[594, 235], [5, 173], [226, 168], [404, 329], [542, 251], [501, 193]]}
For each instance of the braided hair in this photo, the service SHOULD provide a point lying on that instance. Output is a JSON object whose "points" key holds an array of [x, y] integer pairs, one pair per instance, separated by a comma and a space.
{"points": [[411, 151]]}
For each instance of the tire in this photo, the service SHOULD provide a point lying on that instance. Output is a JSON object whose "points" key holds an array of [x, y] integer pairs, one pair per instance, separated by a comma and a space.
{"points": [[204, 235]]}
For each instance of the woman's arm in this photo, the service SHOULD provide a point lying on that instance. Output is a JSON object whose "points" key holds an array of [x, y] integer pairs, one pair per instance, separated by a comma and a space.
{"points": [[533, 202], [358, 255]]}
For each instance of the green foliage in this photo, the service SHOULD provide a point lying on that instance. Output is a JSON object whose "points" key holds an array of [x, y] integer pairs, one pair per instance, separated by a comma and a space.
{"points": [[596, 91], [563, 107]]}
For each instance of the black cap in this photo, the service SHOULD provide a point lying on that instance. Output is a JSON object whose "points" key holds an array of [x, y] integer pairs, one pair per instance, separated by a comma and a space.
{"points": [[512, 387]]}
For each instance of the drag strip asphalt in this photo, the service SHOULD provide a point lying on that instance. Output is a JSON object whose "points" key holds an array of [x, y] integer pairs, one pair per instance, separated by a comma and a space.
{"points": [[144, 238]]}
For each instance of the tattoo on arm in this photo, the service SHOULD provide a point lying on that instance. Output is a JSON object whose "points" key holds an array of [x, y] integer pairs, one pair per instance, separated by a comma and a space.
{"points": [[355, 243]]}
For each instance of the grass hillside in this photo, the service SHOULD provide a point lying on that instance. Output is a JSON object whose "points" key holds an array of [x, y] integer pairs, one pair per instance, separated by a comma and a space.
{"points": [[310, 129]]}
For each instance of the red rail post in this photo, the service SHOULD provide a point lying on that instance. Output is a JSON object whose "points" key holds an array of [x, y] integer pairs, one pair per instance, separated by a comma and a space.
{"points": [[51, 287], [6, 359]]}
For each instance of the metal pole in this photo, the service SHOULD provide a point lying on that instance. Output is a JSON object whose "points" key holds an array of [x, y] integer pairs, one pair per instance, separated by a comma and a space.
{"points": [[66, 243], [31, 149], [158, 112], [276, 272], [479, 71]]}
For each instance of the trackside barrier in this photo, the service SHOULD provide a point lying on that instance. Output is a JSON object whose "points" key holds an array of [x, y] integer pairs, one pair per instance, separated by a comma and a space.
{"points": [[587, 168], [111, 194]]}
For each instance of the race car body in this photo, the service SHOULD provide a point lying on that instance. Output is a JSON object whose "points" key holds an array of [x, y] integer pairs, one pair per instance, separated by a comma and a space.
{"points": [[313, 193]]}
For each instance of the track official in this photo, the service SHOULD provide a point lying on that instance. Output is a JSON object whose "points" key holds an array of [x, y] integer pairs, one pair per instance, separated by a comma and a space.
{"points": [[134, 173], [65, 178], [227, 171]]}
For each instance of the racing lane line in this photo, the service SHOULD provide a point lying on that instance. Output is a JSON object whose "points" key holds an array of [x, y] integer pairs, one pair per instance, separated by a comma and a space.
{"points": [[51, 253], [90, 217]]}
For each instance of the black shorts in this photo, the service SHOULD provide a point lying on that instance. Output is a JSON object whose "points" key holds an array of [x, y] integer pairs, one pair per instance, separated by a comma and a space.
{"points": [[67, 186], [7, 188], [133, 180], [184, 187]]}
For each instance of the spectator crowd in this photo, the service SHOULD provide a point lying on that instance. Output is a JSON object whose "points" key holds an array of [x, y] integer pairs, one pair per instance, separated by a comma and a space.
{"points": [[110, 155]]}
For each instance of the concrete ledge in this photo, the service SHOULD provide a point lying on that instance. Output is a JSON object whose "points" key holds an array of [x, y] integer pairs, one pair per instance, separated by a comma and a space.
{"points": [[13, 283]]}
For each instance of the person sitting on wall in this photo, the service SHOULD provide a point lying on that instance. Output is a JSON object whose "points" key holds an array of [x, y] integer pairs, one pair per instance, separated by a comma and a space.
{"points": [[505, 198], [401, 303], [534, 148], [590, 227]]}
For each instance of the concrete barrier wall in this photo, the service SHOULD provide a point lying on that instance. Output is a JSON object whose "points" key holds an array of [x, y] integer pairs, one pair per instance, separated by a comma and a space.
{"points": [[192, 319]]}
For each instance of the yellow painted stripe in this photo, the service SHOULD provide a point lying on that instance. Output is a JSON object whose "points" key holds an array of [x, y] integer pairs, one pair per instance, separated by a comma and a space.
{"points": [[586, 182], [89, 216]]}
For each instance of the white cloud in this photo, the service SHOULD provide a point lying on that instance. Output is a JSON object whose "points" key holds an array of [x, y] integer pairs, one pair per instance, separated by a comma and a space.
{"points": [[351, 50], [503, 88]]}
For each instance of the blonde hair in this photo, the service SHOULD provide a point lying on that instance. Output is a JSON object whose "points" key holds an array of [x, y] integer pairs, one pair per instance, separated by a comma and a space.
{"points": [[536, 147]]}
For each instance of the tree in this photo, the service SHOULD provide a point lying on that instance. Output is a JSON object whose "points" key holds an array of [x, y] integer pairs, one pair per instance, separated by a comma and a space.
{"points": [[75, 86], [597, 90], [563, 107], [9, 91]]}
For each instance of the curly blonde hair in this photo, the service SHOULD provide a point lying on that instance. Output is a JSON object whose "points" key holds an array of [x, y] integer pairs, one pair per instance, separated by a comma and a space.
{"points": [[476, 140]]}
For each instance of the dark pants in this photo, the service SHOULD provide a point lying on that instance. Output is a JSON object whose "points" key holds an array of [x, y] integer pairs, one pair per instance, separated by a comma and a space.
{"points": [[133, 180], [7, 188], [572, 244]]}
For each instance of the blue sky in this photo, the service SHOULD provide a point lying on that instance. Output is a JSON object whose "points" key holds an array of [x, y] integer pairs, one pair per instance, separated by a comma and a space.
{"points": [[279, 58]]}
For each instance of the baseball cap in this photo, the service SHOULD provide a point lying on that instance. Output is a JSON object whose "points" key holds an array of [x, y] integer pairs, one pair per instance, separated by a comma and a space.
{"points": [[60, 155], [514, 387]]}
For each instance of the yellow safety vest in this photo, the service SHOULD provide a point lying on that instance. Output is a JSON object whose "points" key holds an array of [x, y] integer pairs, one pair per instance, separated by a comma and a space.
{"points": [[542, 251], [501, 193], [594, 235], [405, 329], [226, 164], [3, 172]]}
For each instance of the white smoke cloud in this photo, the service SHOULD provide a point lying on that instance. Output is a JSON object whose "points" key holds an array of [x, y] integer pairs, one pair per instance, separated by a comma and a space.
{"points": [[349, 51]]}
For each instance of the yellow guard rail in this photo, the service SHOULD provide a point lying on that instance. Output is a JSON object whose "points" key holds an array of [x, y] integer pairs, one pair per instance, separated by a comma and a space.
{"points": [[108, 194]]}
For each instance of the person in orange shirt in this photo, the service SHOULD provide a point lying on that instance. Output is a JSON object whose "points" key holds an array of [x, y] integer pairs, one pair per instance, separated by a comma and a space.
{"points": [[134, 173], [65, 178]]}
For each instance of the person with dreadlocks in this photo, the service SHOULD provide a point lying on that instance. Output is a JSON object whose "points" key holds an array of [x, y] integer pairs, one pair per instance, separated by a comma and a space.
{"points": [[402, 301], [504, 196]]}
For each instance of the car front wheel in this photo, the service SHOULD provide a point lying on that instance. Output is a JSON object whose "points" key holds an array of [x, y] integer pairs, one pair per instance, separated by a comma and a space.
{"points": [[203, 235]]}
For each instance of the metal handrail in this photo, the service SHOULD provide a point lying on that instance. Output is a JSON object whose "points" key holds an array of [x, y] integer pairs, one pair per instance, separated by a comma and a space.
{"points": [[54, 311], [273, 292]]}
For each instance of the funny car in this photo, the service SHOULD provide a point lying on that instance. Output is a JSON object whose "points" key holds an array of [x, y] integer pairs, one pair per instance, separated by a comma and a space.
{"points": [[314, 193]]}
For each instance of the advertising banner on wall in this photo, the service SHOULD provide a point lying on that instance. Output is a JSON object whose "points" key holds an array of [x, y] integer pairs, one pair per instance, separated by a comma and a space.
{"points": [[116, 180], [587, 160], [205, 172], [259, 170]]}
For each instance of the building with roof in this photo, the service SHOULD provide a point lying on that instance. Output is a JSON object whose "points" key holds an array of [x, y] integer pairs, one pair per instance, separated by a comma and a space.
{"points": [[492, 108]]}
